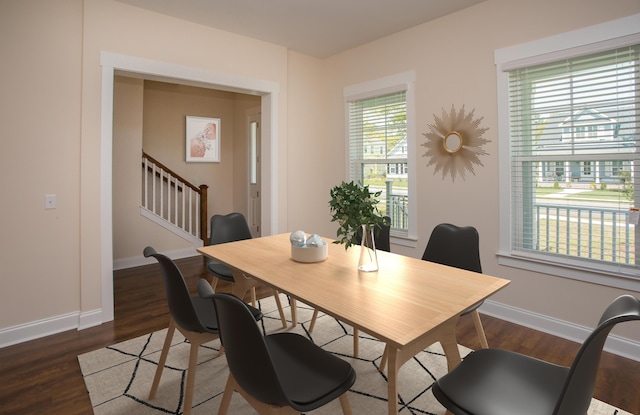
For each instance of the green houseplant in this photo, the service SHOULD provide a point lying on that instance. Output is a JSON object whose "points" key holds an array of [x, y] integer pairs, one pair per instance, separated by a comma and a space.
{"points": [[352, 206]]}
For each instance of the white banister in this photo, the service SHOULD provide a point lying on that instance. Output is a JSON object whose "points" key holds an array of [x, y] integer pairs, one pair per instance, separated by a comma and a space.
{"points": [[172, 200]]}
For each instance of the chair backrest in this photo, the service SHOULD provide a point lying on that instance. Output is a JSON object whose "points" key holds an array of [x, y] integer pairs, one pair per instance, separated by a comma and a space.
{"points": [[455, 246], [178, 296], [578, 389], [247, 354], [228, 228]]}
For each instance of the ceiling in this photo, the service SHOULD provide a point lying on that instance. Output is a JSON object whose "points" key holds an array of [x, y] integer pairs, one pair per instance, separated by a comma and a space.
{"points": [[319, 28]]}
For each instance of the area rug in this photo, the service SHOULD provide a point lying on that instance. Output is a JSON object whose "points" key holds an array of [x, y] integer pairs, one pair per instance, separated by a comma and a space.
{"points": [[118, 377]]}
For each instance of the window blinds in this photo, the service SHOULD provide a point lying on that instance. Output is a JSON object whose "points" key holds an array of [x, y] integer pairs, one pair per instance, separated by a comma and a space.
{"points": [[376, 126], [573, 128]]}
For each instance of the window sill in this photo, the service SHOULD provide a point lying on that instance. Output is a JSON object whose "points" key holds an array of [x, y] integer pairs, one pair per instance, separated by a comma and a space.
{"points": [[408, 241], [610, 276]]}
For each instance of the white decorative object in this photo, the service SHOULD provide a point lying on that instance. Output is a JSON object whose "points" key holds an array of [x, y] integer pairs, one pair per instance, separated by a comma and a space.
{"points": [[311, 249], [308, 253], [298, 238]]}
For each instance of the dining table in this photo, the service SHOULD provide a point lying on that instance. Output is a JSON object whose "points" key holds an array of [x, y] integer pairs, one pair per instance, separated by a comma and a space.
{"points": [[408, 303]]}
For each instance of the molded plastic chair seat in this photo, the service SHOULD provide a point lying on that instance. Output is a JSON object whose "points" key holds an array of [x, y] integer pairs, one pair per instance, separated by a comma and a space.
{"points": [[486, 368], [310, 377], [500, 382], [279, 373]]}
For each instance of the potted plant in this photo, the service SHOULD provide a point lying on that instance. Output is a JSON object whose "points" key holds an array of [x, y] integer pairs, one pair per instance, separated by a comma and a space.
{"points": [[355, 208]]}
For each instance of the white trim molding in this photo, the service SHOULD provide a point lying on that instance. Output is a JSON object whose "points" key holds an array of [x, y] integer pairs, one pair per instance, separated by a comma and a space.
{"points": [[620, 346], [138, 261], [37, 329]]}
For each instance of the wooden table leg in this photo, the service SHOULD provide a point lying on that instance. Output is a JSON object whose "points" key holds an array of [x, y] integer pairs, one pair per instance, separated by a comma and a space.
{"points": [[449, 344], [445, 334], [242, 285], [392, 379]]}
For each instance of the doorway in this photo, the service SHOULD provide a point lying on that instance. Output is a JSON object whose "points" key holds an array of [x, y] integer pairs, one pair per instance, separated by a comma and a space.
{"points": [[114, 64]]}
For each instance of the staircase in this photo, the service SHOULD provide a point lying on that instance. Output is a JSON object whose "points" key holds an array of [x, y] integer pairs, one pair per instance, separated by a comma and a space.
{"points": [[172, 202]]}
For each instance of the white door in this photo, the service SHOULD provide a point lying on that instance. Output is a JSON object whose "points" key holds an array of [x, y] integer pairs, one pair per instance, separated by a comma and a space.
{"points": [[254, 174]]}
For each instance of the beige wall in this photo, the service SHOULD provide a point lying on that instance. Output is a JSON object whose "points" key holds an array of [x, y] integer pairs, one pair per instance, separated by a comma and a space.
{"points": [[40, 110], [453, 60], [51, 83]]}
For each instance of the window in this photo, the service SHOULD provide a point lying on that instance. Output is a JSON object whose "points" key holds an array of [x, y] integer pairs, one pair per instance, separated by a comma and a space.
{"points": [[380, 139], [578, 112]]}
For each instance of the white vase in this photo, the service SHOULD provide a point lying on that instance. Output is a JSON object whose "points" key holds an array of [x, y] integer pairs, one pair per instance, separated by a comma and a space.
{"points": [[368, 261]]}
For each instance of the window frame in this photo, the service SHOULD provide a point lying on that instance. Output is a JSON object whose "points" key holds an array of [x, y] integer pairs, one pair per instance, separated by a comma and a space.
{"points": [[404, 81], [605, 36]]}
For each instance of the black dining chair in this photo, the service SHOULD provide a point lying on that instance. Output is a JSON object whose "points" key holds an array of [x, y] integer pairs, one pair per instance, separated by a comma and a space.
{"points": [[280, 373], [501, 382], [382, 239], [193, 316], [230, 228], [458, 246], [455, 246]]}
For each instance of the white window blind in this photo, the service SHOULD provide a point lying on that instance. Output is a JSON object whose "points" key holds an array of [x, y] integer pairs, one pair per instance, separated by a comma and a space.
{"points": [[573, 127], [378, 152]]}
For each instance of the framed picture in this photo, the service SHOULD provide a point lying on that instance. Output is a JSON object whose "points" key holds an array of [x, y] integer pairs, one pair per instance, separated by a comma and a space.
{"points": [[203, 139]]}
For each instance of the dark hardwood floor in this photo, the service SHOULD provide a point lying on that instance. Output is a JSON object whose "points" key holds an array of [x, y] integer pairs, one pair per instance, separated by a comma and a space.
{"points": [[43, 376]]}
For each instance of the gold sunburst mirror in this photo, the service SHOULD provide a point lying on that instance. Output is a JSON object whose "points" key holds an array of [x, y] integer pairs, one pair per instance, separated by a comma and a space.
{"points": [[454, 143]]}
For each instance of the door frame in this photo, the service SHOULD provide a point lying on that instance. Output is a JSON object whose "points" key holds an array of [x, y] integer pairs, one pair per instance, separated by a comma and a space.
{"points": [[253, 115], [116, 64]]}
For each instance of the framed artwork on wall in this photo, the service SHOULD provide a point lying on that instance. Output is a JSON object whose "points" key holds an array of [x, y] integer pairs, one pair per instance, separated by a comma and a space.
{"points": [[203, 139]]}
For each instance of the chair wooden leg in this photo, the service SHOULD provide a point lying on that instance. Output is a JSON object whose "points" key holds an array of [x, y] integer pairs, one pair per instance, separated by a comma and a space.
{"points": [[226, 397], [346, 406], [163, 359], [214, 283], [294, 311], [479, 329], [276, 295], [253, 296], [313, 320], [191, 378], [356, 342]]}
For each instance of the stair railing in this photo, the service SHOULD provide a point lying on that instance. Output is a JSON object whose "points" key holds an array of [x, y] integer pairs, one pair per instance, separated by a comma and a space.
{"points": [[173, 198]]}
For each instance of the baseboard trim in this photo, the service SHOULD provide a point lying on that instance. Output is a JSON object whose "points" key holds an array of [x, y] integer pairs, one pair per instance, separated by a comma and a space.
{"points": [[620, 346], [90, 319], [37, 329], [139, 261]]}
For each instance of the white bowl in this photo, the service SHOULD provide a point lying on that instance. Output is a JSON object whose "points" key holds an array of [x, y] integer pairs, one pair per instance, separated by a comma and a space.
{"points": [[309, 253]]}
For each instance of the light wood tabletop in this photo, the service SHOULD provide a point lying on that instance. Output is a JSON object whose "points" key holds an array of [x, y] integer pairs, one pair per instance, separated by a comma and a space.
{"points": [[408, 303]]}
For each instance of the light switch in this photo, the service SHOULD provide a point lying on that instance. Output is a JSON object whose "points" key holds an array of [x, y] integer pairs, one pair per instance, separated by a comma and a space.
{"points": [[49, 201]]}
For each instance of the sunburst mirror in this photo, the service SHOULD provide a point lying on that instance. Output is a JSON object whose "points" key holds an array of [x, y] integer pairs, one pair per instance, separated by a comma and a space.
{"points": [[454, 143]]}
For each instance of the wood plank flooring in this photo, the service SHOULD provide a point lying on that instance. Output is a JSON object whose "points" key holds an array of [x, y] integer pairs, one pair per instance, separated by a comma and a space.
{"points": [[43, 376]]}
